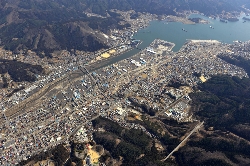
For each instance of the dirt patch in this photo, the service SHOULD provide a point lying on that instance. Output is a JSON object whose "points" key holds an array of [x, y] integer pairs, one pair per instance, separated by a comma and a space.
{"points": [[144, 76], [117, 141], [94, 156]]}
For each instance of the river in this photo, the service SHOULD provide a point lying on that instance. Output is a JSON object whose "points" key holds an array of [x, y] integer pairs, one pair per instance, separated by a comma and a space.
{"points": [[172, 32]]}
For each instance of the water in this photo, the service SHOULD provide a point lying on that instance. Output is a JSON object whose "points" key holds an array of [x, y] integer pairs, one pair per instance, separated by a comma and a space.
{"points": [[172, 32]]}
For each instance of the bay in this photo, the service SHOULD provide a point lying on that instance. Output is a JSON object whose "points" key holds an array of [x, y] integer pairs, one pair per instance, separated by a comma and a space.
{"points": [[172, 32]]}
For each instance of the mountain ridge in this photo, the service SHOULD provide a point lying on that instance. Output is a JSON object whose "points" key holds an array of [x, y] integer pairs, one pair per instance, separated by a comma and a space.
{"points": [[46, 26]]}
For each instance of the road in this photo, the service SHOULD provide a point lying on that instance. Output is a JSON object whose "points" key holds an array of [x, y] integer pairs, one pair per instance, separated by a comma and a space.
{"points": [[197, 127], [72, 133], [15, 110], [35, 98], [170, 106]]}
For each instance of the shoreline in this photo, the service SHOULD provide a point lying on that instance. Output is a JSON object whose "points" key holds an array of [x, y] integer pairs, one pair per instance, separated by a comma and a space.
{"points": [[179, 19], [202, 41]]}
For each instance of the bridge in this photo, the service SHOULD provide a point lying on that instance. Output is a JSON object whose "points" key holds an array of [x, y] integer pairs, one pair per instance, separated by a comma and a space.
{"points": [[197, 127]]}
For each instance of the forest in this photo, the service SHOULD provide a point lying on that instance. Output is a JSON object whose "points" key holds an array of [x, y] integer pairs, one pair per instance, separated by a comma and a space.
{"points": [[128, 143], [59, 154], [152, 6], [20, 71], [35, 20], [46, 27], [223, 102]]}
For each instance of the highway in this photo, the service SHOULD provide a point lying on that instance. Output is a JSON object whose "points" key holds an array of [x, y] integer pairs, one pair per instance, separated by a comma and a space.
{"points": [[197, 127]]}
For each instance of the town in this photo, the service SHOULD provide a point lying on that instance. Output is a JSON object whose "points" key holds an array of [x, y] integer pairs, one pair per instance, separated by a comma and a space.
{"points": [[79, 88]]}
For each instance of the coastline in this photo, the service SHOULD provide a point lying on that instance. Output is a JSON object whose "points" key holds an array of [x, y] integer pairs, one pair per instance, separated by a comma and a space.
{"points": [[179, 19], [203, 41]]}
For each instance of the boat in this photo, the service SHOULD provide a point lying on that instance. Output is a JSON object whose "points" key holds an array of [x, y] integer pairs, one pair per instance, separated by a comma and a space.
{"points": [[211, 27], [222, 20], [184, 30]]}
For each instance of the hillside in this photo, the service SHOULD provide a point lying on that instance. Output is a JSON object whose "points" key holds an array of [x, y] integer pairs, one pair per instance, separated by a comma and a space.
{"points": [[18, 72], [223, 103], [45, 26]]}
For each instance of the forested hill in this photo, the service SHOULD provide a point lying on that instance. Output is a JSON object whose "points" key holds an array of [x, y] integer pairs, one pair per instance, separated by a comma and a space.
{"points": [[151, 6], [48, 25], [224, 104]]}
